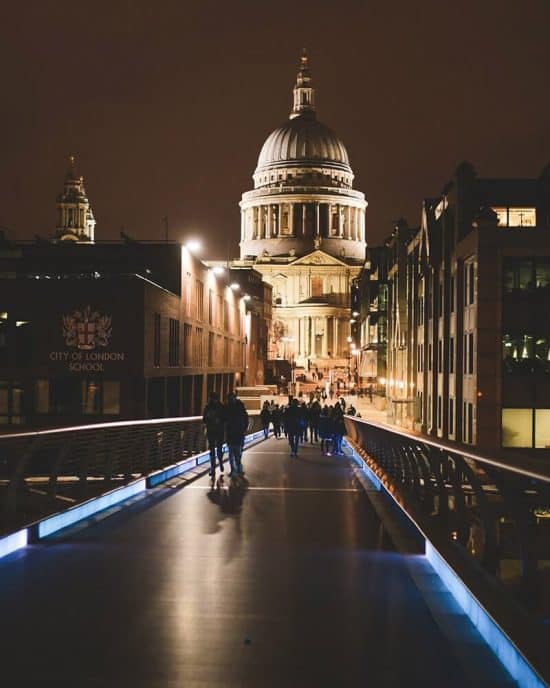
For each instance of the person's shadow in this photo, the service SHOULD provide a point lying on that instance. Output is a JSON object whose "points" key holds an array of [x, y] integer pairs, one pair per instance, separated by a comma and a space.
{"points": [[229, 497]]}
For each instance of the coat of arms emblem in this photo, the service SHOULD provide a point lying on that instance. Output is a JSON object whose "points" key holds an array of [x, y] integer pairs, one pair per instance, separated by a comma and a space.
{"points": [[87, 329]]}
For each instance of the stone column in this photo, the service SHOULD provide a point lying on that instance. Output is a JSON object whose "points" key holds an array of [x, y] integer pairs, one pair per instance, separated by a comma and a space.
{"points": [[317, 219], [336, 344], [291, 219], [312, 341], [324, 351], [303, 219], [261, 232]]}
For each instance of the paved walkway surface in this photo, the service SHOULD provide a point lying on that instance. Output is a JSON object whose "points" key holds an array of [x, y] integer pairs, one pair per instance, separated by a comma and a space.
{"points": [[287, 579]]}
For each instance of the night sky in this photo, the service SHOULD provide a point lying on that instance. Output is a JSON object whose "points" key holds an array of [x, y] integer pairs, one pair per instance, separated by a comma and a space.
{"points": [[166, 104]]}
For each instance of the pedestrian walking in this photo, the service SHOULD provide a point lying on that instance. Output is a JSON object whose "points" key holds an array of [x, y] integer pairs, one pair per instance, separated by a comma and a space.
{"points": [[292, 424], [265, 417], [314, 414], [338, 428], [236, 419], [213, 418], [325, 430], [276, 421]]}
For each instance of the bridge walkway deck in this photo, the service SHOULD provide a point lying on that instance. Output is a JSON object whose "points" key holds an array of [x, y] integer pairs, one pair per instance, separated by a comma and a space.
{"points": [[287, 579]]}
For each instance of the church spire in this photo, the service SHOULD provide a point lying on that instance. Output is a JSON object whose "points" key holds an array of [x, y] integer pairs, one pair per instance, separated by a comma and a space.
{"points": [[75, 219], [304, 93]]}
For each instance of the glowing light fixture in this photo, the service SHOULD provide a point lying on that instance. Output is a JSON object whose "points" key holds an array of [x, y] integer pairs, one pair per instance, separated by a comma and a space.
{"points": [[246, 297], [235, 286], [194, 245], [218, 270]]}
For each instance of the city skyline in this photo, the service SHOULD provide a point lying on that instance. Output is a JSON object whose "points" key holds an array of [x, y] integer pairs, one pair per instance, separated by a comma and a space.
{"points": [[166, 111]]}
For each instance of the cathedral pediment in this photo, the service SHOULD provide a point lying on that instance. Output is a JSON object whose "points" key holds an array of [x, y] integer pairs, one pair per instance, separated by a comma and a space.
{"points": [[319, 257]]}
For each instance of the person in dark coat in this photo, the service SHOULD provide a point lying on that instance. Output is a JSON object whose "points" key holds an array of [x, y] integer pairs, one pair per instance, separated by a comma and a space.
{"points": [[213, 418], [314, 414], [304, 421], [276, 421], [325, 430], [338, 428], [292, 424], [265, 417], [236, 419]]}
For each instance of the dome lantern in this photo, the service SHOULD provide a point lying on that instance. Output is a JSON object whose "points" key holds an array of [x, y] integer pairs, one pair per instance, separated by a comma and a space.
{"points": [[304, 93]]}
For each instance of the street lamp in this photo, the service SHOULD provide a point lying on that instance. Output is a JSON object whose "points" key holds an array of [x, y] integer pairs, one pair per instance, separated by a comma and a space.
{"points": [[193, 245]]}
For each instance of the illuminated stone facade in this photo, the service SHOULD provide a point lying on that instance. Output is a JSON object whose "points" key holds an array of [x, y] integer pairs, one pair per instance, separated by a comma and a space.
{"points": [[303, 228], [75, 219]]}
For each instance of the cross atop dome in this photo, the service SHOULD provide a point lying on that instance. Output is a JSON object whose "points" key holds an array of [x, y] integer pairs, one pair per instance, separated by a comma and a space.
{"points": [[304, 93]]}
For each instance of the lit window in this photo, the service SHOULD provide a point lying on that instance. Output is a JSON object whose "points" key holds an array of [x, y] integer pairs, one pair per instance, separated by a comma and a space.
{"points": [[516, 217], [542, 428], [522, 217], [502, 216], [517, 427]]}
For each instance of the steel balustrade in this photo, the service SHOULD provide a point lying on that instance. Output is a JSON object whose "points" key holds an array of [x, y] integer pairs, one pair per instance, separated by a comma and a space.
{"points": [[487, 518], [45, 471], [498, 514]]}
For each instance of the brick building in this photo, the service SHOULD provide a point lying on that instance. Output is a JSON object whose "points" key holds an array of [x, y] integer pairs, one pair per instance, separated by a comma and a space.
{"points": [[115, 330]]}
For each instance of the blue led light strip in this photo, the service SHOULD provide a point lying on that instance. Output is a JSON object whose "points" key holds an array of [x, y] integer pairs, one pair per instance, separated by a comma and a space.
{"points": [[52, 524], [503, 647], [11, 543]]}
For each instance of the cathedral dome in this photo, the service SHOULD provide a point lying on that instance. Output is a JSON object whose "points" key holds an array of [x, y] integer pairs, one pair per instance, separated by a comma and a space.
{"points": [[303, 141]]}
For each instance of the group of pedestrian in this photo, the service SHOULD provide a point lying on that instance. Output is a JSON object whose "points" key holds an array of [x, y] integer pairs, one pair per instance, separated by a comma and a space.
{"points": [[301, 422], [225, 423]]}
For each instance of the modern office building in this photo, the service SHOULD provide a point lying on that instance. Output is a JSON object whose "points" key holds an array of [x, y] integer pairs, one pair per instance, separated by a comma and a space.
{"points": [[468, 315], [369, 320]]}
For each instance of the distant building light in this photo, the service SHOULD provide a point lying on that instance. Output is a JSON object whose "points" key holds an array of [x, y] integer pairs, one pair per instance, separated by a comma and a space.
{"points": [[20, 323], [246, 297], [218, 270], [3, 315], [355, 314], [350, 339], [235, 286]]}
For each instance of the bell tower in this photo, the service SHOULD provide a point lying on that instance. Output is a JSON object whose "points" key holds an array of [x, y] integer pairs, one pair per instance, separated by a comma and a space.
{"points": [[75, 219]]}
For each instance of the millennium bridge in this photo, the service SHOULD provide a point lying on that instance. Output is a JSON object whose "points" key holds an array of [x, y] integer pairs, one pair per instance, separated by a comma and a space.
{"points": [[403, 562]]}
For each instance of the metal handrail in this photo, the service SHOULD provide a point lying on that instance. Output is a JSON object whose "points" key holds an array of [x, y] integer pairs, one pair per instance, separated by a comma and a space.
{"points": [[490, 521], [491, 512], [531, 468], [44, 471]]}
